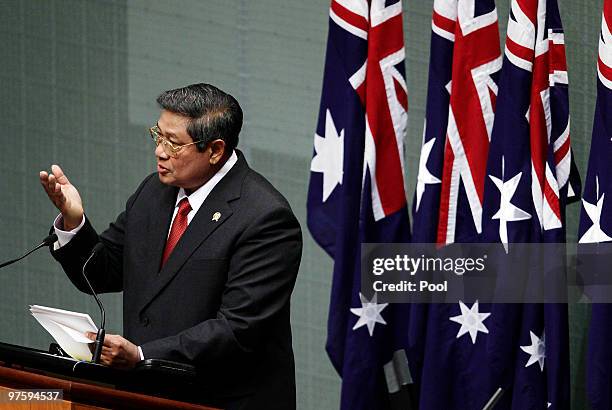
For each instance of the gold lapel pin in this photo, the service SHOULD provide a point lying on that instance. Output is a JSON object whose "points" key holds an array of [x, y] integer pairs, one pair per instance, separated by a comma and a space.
{"points": [[216, 216]]}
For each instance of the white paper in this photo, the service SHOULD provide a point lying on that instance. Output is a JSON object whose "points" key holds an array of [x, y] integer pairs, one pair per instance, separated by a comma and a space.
{"points": [[67, 328]]}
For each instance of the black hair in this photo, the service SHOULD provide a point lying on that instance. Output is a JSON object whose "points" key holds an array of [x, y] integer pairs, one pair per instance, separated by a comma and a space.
{"points": [[213, 114]]}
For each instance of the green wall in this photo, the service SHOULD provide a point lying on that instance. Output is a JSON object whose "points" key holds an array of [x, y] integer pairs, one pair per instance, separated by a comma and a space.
{"points": [[78, 81]]}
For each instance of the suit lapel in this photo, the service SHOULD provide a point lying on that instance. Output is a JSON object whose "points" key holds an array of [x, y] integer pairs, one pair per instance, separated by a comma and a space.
{"points": [[212, 214], [159, 226]]}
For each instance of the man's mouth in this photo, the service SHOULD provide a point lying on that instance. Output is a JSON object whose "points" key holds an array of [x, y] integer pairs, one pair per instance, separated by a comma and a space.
{"points": [[162, 170]]}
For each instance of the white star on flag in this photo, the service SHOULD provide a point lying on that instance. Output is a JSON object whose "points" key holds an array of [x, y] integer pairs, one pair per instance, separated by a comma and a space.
{"points": [[369, 313], [536, 350], [329, 157], [471, 321], [424, 177], [594, 234], [507, 211]]}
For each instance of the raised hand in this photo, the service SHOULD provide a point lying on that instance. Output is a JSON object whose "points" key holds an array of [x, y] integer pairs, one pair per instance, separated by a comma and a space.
{"points": [[64, 196]]}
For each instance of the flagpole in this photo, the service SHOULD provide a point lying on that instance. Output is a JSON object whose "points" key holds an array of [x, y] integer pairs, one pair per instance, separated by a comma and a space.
{"points": [[494, 399], [399, 382]]}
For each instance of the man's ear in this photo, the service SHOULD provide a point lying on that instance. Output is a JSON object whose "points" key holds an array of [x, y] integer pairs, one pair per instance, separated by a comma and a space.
{"points": [[217, 150]]}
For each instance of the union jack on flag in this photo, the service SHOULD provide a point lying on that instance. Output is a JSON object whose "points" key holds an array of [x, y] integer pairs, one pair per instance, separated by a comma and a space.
{"points": [[532, 129], [472, 25], [356, 192]]}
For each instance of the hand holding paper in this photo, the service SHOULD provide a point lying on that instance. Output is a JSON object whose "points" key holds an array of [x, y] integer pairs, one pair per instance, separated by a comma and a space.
{"points": [[117, 351], [67, 328]]}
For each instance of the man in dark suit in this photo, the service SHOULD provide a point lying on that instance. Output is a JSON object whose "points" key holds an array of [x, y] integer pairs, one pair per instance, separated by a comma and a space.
{"points": [[206, 253]]}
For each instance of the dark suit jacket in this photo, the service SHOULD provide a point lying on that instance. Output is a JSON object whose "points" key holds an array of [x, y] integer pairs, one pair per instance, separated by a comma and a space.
{"points": [[221, 301]]}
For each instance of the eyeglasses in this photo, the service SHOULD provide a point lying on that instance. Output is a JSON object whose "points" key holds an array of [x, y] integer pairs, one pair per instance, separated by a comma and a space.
{"points": [[168, 147]]}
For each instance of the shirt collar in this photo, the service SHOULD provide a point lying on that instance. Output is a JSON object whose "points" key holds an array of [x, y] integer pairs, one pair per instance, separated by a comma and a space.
{"points": [[197, 197]]}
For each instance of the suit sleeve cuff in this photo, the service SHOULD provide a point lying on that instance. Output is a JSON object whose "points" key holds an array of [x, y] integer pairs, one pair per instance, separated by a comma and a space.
{"points": [[63, 237]]}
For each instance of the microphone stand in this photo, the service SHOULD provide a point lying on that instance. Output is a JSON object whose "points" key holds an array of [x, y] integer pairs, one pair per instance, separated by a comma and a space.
{"points": [[48, 241], [101, 331]]}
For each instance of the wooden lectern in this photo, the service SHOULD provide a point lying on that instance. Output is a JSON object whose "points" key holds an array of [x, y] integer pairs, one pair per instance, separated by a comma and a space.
{"points": [[84, 385]]}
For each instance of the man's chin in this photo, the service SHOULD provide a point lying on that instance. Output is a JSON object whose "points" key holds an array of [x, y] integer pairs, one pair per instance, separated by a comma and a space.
{"points": [[165, 178]]}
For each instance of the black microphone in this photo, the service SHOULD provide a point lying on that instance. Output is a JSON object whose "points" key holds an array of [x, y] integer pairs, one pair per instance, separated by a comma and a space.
{"points": [[48, 241], [101, 332]]}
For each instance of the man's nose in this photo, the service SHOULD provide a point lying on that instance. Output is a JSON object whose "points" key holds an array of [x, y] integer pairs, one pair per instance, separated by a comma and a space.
{"points": [[160, 153]]}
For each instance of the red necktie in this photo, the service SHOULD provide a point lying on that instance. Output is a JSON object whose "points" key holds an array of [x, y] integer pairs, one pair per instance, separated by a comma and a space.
{"points": [[178, 227]]}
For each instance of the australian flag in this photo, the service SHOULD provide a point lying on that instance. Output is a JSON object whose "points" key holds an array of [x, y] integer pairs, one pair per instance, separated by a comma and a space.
{"points": [[531, 176], [356, 191], [596, 219], [447, 341]]}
